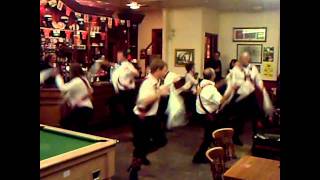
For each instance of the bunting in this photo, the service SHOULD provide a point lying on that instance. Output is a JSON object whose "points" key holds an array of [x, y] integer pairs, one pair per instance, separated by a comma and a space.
{"points": [[68, 11], [60, 5], [86, 18], [109, 22]]}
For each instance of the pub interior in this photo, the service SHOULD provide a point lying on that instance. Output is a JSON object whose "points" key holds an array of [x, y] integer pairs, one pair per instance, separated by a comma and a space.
{"points": [[98, 59]]}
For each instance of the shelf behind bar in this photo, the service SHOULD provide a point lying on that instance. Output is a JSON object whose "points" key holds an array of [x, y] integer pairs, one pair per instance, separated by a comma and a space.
{"points": [[65, 29]]}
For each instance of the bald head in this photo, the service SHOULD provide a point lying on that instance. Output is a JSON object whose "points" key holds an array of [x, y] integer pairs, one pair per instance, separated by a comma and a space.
{"points": [[209, 74], [245, 58]]}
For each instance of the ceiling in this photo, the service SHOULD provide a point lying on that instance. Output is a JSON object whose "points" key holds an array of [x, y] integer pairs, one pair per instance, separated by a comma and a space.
{"points": [[221, 5]]}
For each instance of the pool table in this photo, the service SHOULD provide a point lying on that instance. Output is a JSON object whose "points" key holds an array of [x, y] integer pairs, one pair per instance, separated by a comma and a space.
{"points": [[71, 155]]}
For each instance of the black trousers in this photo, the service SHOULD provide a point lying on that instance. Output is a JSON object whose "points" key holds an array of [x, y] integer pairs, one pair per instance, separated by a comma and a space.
{"points": [[209, 126], [148, 136], [77, 119], [246, 109], [162, 116], [124, 100]]}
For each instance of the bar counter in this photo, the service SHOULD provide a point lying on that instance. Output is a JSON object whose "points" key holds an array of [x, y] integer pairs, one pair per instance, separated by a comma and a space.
{"points": [[53, 108]]}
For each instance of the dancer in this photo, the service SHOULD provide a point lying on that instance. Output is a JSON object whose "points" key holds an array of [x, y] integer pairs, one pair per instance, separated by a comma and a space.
{"points": [[123, 80], [207, 105], [78, 92], [243, 103], [148, 136]]}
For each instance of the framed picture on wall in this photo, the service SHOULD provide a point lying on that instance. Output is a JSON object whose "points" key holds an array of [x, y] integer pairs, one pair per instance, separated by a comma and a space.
{"points": [[249, 34], [268, 54], [183, 56], [255, 51]]}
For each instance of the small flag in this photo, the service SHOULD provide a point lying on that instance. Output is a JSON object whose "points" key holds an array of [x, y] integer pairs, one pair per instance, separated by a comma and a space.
{"points": [[86, 18], [68, 11], [78, 15], [116, 22], [122, 22], [60, 5], [103, 19], [109, 22]]}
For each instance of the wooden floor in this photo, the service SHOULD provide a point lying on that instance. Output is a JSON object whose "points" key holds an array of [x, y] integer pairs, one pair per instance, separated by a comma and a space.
{"points": [[174, 161]]}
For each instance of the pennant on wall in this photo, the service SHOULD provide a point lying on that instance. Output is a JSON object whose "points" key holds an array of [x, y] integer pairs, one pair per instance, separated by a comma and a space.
{"points": [[68, 11], [46, 32], [122, 22], [94, 18], [109, 22], [128, 23], [116, 22], [78, 15], [60, 5], [103, 19], [43, 2], [84, 34], [103, 36], [86, 18], [68, 34]]}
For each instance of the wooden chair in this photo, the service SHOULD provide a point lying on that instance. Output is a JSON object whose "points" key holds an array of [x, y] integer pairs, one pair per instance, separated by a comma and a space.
{"points": [[223, 138], [216, 158]]}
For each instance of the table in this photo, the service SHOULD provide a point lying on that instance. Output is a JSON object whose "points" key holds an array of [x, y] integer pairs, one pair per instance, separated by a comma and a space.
{"points": [[72, 155], [254, 168]]}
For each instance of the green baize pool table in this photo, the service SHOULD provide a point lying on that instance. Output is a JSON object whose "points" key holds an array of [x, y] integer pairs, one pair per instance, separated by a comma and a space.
{"points": [[70, 155]]}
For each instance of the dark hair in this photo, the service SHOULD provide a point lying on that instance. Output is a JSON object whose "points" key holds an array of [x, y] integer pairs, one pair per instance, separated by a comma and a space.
{"points": [[124, 52], [232, 62], [76, 70], [217, 52], [208, 73], [189, 66], [157, 64]]}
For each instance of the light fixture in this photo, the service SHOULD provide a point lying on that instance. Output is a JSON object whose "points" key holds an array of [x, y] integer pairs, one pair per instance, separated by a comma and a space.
{"points": [[134, 5]]}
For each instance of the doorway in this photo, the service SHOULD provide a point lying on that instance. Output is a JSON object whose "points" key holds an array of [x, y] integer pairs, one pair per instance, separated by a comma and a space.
{"points": [[211, 45]]}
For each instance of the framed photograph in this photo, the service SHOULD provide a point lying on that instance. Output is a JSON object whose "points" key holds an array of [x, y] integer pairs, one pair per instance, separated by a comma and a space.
{"points": [[268, 54], [249, 34], [255, 51], [183, 56]]}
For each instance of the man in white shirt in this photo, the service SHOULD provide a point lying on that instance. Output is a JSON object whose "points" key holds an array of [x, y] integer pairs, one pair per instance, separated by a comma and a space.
{"points": [[207, 105], [243, 103], [123, 81], [148, 136]]}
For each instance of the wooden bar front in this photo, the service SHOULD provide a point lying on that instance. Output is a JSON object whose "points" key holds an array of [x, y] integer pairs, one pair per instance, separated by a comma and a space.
{"points": [[53, 108]]}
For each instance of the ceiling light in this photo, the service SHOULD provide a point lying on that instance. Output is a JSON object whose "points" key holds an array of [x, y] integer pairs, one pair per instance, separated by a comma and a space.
{"points": [[134, 5]]}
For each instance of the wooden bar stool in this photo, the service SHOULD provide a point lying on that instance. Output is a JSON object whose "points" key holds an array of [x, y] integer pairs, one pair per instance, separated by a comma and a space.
{"points": [[223, 138], [216, 158]]}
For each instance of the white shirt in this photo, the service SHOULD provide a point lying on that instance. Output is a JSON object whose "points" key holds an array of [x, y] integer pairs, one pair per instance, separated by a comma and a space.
{"points": [[210, 97], [74, 91], [170, 78], [123, 77], [148, 88], [45, 74], [237, 77], [192, 81]]}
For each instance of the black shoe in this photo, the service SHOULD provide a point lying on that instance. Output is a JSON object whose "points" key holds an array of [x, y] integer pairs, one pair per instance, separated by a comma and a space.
{"points": [[145, 161], [200, 160], [237, 141]]}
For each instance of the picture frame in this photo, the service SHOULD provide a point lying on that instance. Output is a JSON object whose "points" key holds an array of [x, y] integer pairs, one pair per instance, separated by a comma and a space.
{"points": [[255, 51], [268, 54], [183, 56], [249, 34]]}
